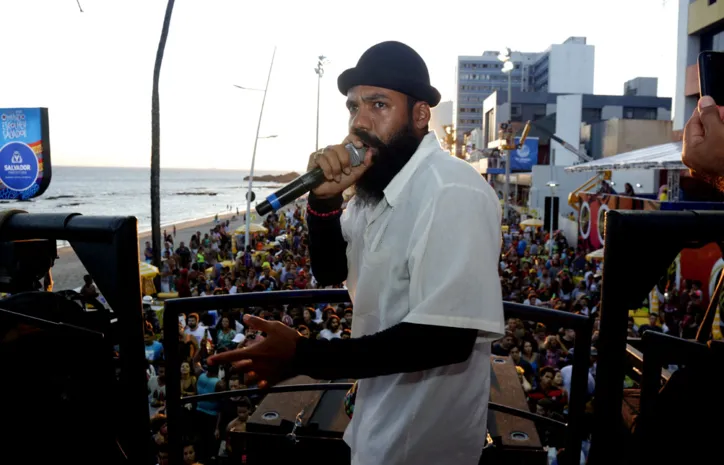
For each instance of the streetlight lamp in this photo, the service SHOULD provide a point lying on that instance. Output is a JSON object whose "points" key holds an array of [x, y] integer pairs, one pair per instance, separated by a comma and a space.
{"points": [[507, 68], [321, 61], [552, 185], [253, 154]]}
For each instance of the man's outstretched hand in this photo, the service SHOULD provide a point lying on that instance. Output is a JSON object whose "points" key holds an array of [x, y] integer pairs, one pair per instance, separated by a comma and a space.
{"points": [[268, 361]]}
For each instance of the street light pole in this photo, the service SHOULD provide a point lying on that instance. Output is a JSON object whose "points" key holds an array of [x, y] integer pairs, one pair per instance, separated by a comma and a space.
{"points": [[253, 155], [506, 59], [552, 185], [508, 161], [320, 72]]}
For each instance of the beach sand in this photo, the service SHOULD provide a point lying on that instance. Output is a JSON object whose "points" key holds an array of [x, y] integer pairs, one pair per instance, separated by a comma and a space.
{"points": [[68, 271]]}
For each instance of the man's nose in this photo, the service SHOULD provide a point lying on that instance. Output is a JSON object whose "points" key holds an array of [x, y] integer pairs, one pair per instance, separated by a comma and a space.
{"points": [[361, 120]]}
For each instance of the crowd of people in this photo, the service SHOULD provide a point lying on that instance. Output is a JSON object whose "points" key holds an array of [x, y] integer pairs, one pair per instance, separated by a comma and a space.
{"points": [[561, 279], [564, 279], [276, 259]]}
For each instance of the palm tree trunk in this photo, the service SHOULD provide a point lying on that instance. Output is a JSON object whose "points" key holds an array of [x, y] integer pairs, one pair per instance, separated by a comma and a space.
{"points": [[156, 142]]}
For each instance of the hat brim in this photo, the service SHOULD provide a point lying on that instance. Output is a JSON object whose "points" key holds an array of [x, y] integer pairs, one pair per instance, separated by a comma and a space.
{"points": [[354, 77]]}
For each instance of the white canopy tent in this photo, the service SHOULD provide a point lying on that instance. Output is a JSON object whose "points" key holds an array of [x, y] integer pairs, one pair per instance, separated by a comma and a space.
{"points": [[657, 157]]}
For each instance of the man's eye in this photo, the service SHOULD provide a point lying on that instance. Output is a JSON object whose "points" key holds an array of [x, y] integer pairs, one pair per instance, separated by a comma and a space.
{"points": [[380, 105], [353, 108]]}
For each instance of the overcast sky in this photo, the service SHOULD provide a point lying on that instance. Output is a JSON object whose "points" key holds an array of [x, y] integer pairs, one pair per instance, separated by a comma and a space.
{"points": [[93, 70]]}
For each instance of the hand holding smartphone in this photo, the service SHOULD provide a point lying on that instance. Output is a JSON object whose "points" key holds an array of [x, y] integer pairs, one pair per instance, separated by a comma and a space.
{"points": [[711, 75]]}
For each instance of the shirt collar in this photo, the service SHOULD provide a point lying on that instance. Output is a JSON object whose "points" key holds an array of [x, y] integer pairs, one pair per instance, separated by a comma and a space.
{"points": [[427, 147]]}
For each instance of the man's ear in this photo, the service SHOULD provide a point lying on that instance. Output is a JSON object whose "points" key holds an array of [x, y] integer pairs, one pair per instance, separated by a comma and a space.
{"points": [[421, 115]]}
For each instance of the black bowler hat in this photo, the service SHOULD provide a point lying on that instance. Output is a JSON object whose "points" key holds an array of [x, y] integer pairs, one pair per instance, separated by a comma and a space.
{"points": [[394, 66]]}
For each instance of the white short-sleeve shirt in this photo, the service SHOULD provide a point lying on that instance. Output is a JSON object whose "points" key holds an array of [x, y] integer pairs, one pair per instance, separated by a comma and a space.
{"points": [[426, 254]]}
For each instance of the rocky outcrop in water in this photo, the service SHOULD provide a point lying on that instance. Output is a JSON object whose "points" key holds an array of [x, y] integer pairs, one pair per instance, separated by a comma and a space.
{"points": [[280, 178]]}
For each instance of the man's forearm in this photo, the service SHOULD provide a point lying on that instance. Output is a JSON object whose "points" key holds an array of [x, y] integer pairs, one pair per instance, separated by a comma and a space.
{"points": [[403, 348], [327, 247]]}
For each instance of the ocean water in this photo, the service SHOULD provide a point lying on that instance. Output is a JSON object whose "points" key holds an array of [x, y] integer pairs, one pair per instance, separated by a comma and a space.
{"points": [[185, 194]]}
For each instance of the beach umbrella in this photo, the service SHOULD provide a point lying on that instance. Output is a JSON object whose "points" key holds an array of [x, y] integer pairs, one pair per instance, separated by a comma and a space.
{"points": [[253, 228], [595, 255], [532, 222], [147, 270]]}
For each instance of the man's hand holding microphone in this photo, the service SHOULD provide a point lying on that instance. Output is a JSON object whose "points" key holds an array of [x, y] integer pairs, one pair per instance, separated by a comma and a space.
{"points": [[335, 161], [703, 149]]}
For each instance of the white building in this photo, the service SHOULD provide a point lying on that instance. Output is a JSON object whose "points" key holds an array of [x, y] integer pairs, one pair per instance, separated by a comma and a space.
{"points": [[700, 27], [562, 68]]}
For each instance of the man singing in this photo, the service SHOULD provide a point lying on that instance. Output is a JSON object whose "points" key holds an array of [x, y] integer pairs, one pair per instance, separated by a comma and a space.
{"points": [[418, 247]]}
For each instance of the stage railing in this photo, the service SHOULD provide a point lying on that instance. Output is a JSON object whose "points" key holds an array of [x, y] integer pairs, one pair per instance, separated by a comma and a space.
{"points": [[654, 238], [554, 318]]}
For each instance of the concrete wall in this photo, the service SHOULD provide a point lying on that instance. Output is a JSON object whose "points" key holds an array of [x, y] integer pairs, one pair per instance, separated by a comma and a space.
{"points": [[490, 104], [475, 139], [568, 128], [567, 183], [571, 69], [687, 50], [663, 114], [625, 135], [611, 112]]}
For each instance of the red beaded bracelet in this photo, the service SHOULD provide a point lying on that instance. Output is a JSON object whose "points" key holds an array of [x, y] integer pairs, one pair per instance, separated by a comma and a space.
{"points": [[323, 215]]}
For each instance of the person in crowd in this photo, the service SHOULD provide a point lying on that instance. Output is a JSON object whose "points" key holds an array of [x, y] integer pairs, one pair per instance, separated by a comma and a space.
{"points": [[520, 362], [332, 328], [157, 389], [653, 325], [148, 252], [546, 389], [193, 328], [225, 334], [154, 349], [188, 380], [89, 293]]}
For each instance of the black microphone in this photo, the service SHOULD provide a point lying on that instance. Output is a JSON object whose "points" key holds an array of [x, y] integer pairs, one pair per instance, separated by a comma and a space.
{"points": [[304, 184]]}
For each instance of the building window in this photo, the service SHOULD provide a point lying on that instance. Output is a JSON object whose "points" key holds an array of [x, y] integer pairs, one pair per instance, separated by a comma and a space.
{"points": [[639, 113], [711, 2], [591, 115]]}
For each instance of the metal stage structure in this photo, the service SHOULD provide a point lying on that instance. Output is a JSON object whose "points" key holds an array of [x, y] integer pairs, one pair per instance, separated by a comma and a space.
{"points": [[108, 247]]}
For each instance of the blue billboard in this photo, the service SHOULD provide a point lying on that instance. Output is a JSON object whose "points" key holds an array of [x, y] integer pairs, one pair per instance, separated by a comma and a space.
{"points": [[526, 156], [25, 169]]}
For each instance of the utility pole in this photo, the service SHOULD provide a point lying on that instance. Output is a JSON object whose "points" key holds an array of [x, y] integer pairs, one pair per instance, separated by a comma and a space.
{"points": [[247, 223], [322, 60]]}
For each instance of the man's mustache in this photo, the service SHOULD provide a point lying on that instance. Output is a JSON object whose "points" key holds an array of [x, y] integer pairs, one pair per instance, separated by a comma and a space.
{"points": [[368, 139]]}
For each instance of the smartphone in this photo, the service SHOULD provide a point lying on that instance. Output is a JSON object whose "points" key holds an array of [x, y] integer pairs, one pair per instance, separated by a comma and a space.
{"points": [[711, 75]]}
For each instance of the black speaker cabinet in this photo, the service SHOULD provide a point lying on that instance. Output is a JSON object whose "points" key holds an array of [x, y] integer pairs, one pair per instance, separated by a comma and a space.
{"points": [[319, 438]]}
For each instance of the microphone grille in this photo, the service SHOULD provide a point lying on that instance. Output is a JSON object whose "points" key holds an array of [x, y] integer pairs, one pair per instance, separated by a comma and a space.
{"points": [[356, 156]]}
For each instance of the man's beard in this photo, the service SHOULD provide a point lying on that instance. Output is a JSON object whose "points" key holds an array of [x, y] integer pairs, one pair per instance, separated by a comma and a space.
{"points": [[388, 159]]}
